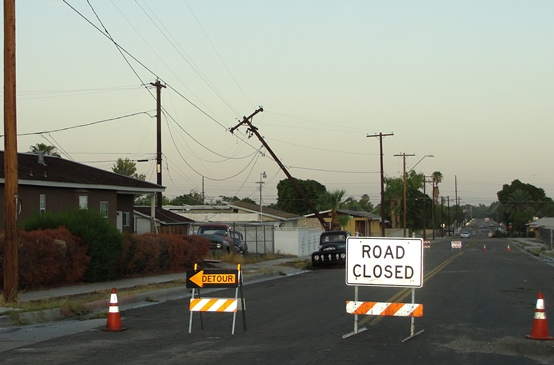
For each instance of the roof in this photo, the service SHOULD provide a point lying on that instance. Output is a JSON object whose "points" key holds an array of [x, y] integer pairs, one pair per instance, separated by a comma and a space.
{"points": [[354, 213], [547, 222], [165, 216], [278, 214], [58, 172]]}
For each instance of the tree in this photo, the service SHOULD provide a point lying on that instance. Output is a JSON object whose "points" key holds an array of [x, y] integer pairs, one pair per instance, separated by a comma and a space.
{"points": [[288, 199], [520, 202], [360, 205], [192, 198], [46, 149], [437, 178], [146, 200], [394, 190], [394, 194], [128, 168], [332, 200]]}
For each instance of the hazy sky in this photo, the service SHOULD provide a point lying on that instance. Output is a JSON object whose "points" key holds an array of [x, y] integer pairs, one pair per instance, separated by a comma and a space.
{"points": [[470, 82]]}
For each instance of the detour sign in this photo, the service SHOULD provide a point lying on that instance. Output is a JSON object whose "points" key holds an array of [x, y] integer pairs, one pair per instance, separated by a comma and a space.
{"points": [[384, 261], [212, 279]]}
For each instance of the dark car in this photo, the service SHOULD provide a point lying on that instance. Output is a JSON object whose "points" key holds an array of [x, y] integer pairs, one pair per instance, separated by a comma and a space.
{"points": [[221, 230], [239, 241], [332, 249], [219, 245]]}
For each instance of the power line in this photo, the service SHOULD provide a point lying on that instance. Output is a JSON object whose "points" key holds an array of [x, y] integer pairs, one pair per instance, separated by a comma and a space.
{"points": [[82, 125]]}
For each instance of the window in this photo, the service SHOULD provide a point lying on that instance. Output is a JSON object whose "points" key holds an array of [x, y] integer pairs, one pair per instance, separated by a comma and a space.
{"points": [[126, 219], [83, 201], [104, 209], [42, 203]]}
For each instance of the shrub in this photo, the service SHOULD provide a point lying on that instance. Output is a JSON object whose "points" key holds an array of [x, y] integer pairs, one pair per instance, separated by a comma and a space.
{"points": [[103, 240], [159, 253], [49, 257]]}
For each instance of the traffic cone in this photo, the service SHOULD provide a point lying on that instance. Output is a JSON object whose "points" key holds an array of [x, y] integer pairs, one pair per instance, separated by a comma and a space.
{"points": [[508, 249], [114, 319], [484, 248], [539, 329]]}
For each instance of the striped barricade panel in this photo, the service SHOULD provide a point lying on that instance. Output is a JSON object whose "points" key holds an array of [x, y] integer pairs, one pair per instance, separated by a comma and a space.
{"points": [[213, 305], [456, 244], [385, 309], [427, 244]]}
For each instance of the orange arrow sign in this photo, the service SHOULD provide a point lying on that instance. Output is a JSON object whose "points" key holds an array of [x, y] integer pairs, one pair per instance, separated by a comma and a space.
{"points": [[201, 279]]}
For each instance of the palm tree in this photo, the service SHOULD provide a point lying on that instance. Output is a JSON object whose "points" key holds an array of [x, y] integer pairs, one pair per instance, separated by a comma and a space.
{"points": [[332, 200], [46, 149], [437, 178]]}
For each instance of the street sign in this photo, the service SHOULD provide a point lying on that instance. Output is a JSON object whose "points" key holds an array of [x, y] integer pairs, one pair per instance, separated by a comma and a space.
{"points": [[390, 262], [212, 278]]}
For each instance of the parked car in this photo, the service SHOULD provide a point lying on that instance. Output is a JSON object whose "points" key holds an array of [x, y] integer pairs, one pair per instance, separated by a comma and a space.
{"points": [[239, 241], [332, 249], [221, 230], [464, 234], [219, 245]]}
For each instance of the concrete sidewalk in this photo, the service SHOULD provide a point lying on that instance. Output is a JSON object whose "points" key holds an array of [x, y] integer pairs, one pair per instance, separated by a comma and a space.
{"points": [[251, 273]]}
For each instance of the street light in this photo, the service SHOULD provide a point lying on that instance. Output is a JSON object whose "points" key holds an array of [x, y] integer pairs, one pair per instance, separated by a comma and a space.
{"points": [[419, 162], [262, 176]]}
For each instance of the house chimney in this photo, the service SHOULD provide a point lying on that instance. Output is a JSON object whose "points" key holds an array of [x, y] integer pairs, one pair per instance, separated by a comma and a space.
{"points": [[41, 158]]}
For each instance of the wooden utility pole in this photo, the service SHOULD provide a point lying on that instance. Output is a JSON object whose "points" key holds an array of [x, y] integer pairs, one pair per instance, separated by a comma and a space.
{"points": [[10, 263], [381, 135], [158, 86], [253, 130], [404, 155]]}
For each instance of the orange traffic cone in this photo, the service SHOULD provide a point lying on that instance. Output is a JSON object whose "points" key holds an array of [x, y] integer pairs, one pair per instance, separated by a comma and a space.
{"points": [[114, 319], [539, 329]]}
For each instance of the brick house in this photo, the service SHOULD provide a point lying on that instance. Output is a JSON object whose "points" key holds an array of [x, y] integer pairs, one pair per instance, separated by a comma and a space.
{"points": [[53, 184]]}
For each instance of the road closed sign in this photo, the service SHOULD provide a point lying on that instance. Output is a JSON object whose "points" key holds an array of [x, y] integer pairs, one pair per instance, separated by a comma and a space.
{"points": [[377, 261]]}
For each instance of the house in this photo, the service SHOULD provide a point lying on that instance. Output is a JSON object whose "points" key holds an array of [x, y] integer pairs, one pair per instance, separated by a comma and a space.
{"points": [[361, 223], [542, 228], [165, 221], [238, 212], [53, 184]]}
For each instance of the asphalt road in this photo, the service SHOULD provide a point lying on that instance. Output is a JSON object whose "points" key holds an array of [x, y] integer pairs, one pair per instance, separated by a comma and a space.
{"points": [[478, 307]]}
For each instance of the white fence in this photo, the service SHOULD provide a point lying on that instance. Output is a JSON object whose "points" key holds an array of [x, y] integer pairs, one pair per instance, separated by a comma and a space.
{"points": [[296, 241]]}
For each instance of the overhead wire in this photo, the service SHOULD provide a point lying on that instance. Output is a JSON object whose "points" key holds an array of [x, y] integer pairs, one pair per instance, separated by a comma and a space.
{"points": [[189, 60], [125, 54], [218, 54], [81, 125]]}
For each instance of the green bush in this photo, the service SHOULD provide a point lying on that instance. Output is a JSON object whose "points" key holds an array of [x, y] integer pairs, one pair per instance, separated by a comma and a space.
{"points": [[104, 242]]}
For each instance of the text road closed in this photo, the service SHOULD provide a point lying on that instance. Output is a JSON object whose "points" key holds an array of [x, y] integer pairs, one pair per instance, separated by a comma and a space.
{"points": [[384, 261]]}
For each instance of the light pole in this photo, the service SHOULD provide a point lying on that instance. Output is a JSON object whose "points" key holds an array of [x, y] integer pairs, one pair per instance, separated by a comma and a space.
{"points": [[404, 155], [262, 176]]}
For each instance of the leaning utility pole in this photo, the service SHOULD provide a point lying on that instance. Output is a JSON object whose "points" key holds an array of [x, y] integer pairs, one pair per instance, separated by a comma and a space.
{"points": [[254, 130], [11, 268], [158, 86], [404, 155], [381, 135]]}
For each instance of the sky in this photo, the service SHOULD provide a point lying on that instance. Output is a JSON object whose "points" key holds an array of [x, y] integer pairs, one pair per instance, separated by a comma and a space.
{"points": [[469, 82]]}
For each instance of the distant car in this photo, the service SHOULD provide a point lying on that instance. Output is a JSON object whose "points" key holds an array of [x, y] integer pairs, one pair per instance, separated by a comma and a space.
{"points": [[464, 234], [332, 249], [240, 244]]}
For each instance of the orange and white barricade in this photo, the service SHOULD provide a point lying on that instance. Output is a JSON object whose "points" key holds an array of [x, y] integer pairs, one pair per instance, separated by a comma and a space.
{"points": [[456, 245], [197, 279]]}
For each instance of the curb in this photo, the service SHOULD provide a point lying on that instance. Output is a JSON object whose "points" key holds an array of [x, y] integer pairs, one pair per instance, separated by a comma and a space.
{"points": [[126, 302]]}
